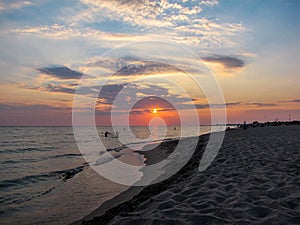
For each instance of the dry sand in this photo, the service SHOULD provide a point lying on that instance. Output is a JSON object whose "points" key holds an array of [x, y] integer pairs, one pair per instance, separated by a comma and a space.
{"points": [[255, 179]]}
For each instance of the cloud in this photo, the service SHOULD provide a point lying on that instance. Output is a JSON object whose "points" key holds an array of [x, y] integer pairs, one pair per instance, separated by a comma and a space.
{"points": [[68, 32], [137, 12], [60, 89], [201, 32], [143, 13], [65, 83], [207, 106], [106, 96], [150, 20], [146, 68], [147, 110], [131, 92], [296, 100], [13, 4], [153, 102], [61, 72], [109, 63], [290, 101], [234, 104], [178, 21], [183, 22], [31, 107], [259, 104], [228, 62], [109, 92], [133, 66], [147, 104]]}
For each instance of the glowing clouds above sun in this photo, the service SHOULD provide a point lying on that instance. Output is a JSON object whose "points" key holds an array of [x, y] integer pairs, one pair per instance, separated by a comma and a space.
{"points": [[146, 109]]}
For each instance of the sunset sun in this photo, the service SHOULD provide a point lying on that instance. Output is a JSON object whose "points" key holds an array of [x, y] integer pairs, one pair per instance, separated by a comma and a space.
{"points": [[154, 111]]}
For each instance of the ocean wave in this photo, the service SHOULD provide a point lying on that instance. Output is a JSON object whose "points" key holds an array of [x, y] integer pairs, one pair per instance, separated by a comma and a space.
{"points": [[22, 150], [65, 155], [18, 198], [30, 160], [27, 180], [19, 161]]}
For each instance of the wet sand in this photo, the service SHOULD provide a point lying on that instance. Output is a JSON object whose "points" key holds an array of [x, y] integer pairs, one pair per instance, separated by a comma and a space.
{"points": [[255, 179]]}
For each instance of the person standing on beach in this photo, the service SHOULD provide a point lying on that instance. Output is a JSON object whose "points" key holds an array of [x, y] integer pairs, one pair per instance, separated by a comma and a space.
{"points": [[245, 125]]}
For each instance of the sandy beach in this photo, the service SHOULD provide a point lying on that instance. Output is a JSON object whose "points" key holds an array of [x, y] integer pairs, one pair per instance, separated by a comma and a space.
{"points": [[253, 180]]}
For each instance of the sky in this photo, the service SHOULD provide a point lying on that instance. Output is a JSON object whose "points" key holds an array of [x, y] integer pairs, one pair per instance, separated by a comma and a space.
{"points": [[135, 60]]}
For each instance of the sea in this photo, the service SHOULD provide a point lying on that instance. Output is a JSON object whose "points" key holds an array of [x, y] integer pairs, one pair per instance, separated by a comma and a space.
{"points": [[45, 179]]}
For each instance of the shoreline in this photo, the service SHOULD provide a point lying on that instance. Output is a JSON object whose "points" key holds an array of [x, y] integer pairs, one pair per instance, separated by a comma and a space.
{"points": [[151, 158], [109, 208]]}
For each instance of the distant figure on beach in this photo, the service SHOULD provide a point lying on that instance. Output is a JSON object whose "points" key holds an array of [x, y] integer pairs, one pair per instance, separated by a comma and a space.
{"points": [[111, 135], [245, 125], [106, 133]]}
